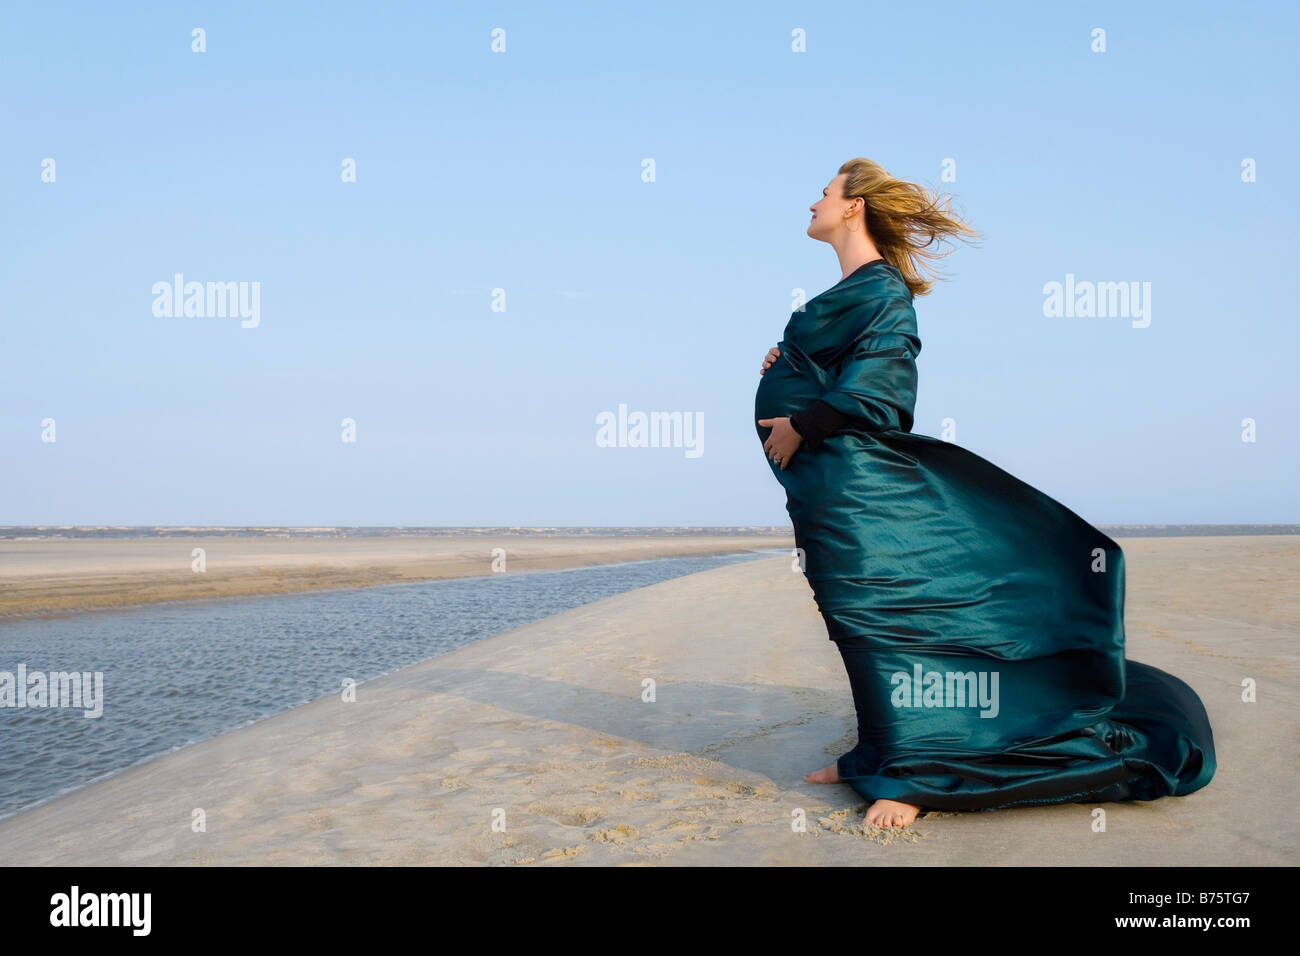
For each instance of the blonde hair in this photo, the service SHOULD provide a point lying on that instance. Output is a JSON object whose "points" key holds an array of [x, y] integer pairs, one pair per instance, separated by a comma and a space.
{"points": [[903, 220]]}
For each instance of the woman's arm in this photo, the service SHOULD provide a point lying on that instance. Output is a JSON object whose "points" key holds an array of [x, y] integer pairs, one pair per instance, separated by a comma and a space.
{"points": [[875, 384], [817, 422]]}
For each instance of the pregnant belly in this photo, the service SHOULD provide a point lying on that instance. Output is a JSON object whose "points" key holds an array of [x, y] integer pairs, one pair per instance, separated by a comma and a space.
{"points": [[782, 391]]}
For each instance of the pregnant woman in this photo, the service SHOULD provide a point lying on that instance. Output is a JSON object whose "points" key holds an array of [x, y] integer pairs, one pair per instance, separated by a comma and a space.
{"points": [[981, 622]]}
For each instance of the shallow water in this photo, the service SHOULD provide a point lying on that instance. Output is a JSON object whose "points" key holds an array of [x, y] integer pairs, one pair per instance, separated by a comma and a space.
{"points": [[176, 675]]}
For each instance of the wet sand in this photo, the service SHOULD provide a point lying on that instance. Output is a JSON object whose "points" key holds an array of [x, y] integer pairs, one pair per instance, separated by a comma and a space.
{"points": [[39, 577], [544, 729]]}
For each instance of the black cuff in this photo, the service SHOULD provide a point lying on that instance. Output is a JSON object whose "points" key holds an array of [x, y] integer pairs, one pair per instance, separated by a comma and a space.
{"points": [[817, 422]]}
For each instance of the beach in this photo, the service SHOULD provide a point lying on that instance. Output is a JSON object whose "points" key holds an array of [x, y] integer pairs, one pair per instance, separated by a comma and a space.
{"points": [[542, 746], [51, 576]]}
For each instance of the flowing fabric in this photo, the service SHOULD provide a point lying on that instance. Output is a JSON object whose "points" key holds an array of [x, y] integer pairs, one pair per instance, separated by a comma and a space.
{"points": [[981, 621]]}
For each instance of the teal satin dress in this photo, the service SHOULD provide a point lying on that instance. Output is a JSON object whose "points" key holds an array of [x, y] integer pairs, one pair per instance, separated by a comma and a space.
{"points": [[981, 621]]}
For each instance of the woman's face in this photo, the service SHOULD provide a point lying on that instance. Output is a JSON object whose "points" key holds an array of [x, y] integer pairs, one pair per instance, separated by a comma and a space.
{"points": [[828, 212]]}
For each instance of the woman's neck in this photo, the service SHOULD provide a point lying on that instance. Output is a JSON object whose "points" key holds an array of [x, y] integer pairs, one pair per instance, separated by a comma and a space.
{"points": [[856, 255]]}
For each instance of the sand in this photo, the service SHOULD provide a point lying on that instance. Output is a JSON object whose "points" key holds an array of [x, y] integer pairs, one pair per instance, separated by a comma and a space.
{"points": [[50, 576], [544, 728]]}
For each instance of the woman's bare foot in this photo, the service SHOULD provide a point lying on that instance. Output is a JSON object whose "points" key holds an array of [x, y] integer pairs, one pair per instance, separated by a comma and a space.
{"points": [[891, 813], [829, 774], [882, 813]]}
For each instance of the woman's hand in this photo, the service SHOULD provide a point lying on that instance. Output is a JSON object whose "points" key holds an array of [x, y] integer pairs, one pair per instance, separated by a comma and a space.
{"points": [[773, 354], [784, 441]]}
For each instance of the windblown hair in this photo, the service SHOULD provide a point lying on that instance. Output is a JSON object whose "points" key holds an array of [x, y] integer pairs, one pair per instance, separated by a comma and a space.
{"points": [[903, 219]]}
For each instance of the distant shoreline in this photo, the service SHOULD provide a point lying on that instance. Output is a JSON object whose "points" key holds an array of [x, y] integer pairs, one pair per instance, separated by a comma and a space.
{"points": [[128, 532], [55, 576], [65, 574]]}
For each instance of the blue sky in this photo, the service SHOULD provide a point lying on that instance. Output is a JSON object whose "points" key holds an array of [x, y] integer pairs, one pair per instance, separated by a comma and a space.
{"points": [[522, 171]]}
